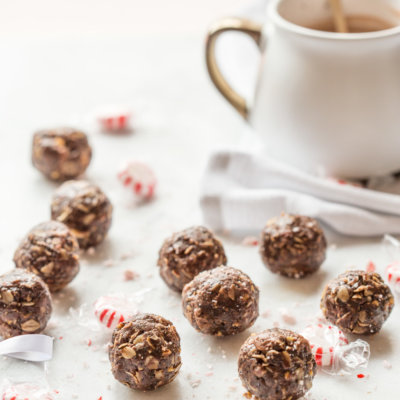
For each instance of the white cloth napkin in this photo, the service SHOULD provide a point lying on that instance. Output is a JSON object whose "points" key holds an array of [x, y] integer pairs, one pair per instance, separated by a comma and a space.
{"points": [[242, 190]]}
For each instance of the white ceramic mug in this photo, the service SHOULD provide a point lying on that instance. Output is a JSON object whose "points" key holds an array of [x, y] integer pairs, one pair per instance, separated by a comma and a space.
{"points": [[324, 100]]}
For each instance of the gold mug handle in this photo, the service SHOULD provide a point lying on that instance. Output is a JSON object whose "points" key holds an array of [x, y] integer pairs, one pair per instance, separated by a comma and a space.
{"points": [[250, 28]]}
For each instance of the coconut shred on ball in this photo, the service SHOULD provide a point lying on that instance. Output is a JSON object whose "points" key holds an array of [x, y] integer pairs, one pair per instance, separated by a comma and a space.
{"points": [[357, 302], [25, 304], [293, 245], [277, 364], [51, 252], [186, 253], [61, 154], [145, 352], [85, 209], [221, 302]]}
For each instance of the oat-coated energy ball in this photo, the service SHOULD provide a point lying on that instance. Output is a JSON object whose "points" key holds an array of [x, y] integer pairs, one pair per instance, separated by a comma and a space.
{"points": [[61, 154], [51, 252], [85, 209], [25, 303], [186, 253], [277, 364], [221, 302], [293, 245], [145, 352], [357, 302]]}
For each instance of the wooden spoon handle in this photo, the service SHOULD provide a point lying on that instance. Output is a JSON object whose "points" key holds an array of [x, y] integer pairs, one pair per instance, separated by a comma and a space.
{"points": [[338, 16]]}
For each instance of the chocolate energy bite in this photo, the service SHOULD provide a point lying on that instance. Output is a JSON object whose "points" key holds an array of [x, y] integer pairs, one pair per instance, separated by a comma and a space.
{"points": [[145, 352], [277, 364], [293, 245], [186, 253], [61, 153], [221, 302], [357, 302], [25, 303], [85, 209], [51, 252]]}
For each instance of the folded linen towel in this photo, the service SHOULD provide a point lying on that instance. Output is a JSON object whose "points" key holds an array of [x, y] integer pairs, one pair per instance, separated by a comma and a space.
{"points": [[242, 190]]}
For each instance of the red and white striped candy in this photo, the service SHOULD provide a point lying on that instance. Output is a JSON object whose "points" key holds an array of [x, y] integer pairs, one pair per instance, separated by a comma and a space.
{"points": [[112, 310], [324, 340], [139, 179], [26, 391], [371, 267], [393, 275], [115, 120]]}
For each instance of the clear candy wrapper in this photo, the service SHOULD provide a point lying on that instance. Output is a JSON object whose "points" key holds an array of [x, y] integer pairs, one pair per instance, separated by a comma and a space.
{"points": [[392, 247], [392, 275], [83, 317], [333, 353], [392, 271], [107, 311], [33, 385], [26, 391]]}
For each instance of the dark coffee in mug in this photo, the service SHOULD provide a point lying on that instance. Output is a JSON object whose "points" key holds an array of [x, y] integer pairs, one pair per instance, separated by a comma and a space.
{"points": [[356, 24]]}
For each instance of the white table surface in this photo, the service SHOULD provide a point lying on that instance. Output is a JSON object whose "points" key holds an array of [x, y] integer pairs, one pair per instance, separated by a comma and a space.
{"points": [[50, 79]]}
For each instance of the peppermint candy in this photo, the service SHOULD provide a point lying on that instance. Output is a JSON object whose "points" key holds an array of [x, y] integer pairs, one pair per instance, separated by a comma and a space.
{"points": [[138, 178], [332, 351], [323, 340], [112, 310], [393, 275], [371, 267], [25, 391], [115, 119]]}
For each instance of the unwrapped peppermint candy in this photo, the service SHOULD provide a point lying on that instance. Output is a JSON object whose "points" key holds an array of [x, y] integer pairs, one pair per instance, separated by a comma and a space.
{"points": [[333, 353], [112, 310], [139, 179]]}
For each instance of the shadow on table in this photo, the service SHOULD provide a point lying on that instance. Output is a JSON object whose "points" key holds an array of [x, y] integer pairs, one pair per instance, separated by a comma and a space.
{"points": [[308, 285], [380, 344], [171, 391], [65, 299], [228, 347], [342, 241], [99, 255]]}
